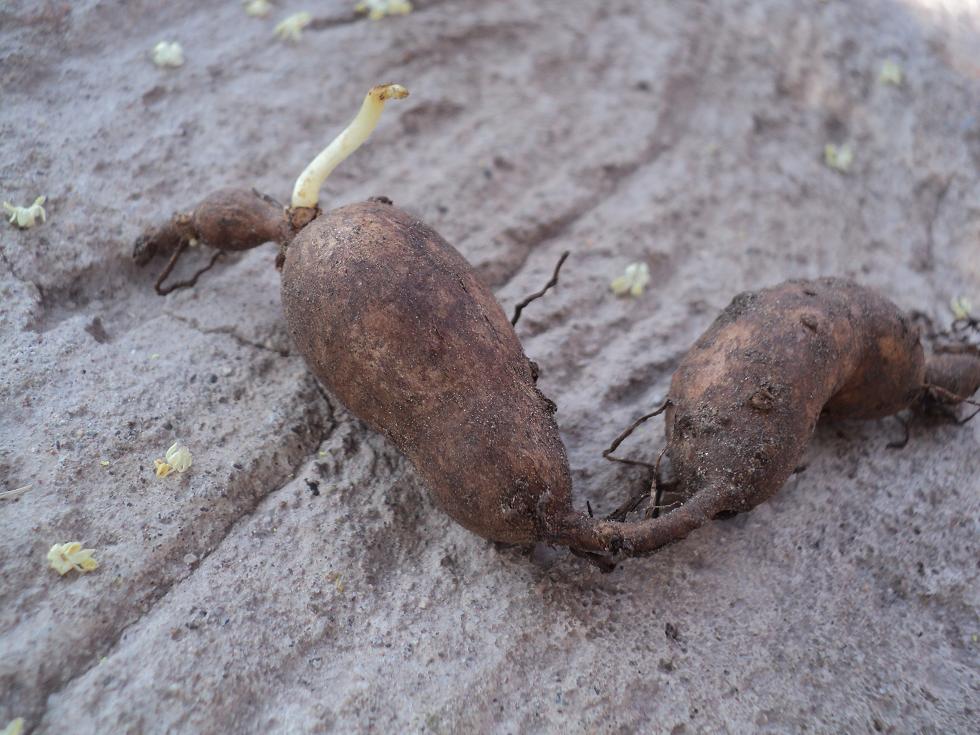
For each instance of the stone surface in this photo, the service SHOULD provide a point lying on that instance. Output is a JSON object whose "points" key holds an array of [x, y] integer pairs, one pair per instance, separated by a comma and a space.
{"points": [[298, 578]]}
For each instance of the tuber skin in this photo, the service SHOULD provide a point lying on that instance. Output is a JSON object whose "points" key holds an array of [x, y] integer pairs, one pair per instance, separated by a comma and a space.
{"points": [[397, 325]]}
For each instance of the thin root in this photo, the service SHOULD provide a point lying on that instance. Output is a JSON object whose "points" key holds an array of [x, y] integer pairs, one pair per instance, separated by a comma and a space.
{"points": [[654, 510], [654, 493], [538, 294], [631, 504], [948, 396], [181, 247], [164, 290], [656, 489], [266, 198], [970, 417], [607, 454]]}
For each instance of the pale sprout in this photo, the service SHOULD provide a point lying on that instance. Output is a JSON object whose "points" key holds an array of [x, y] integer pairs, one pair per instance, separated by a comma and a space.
{"points": [[168, 54], [838, 158], [26, 217], [891, 73], [257, 8], [292, 27], [378, 9], [633, 280], [306, 192], [65, 557], [961, 308], [14, 727]]}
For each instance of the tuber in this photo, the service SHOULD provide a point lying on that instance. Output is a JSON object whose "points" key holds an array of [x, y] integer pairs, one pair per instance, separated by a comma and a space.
{"points": [[398, 326]]}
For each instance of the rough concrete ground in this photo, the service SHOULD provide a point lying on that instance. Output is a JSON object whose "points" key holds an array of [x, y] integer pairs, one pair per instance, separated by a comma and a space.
{"points": [[233, 598]]}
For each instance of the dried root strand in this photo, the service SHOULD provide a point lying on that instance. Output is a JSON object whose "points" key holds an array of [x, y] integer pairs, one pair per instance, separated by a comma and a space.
{"points": [[608, 453], [190, 282], [655, 491], [538, 294]]}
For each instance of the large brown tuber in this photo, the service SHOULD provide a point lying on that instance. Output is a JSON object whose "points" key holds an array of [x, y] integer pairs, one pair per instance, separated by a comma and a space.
{"points": [[397, 325]]}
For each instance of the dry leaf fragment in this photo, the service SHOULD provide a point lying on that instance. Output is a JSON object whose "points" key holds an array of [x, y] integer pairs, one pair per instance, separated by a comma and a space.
{"points": [[177, 457], [633, 280], [67, 556], [961, 308], [838, 158], [291, 29], [378, 9], [891, 73], [26, 217], [168, 54], [257, 8]]}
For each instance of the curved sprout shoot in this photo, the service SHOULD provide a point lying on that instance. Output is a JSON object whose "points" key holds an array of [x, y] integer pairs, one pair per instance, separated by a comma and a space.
{"points": [[306, 193]]}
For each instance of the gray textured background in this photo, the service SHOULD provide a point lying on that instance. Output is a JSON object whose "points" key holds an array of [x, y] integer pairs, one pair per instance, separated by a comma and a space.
{"points": [[687, 135]]}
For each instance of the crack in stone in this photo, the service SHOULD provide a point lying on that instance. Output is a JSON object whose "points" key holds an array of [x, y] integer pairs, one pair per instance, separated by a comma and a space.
{"points": [[936, 189], [321, 24], [13, 271], [940, 193], [327, 419], [558, 226], [669, 126], [227, 331]]}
